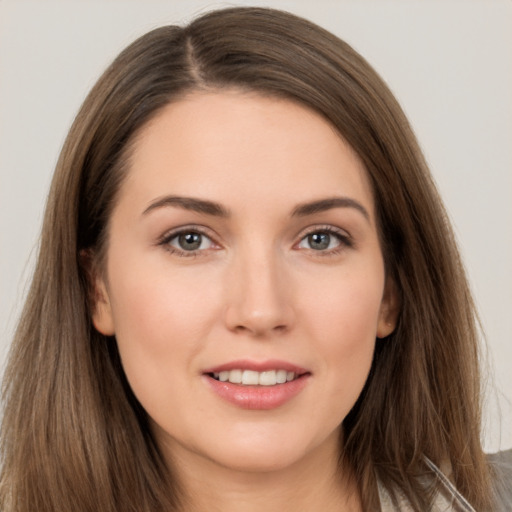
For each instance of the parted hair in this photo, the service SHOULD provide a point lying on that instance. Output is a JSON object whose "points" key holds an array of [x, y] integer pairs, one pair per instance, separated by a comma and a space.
{"points": [[73, 435]]}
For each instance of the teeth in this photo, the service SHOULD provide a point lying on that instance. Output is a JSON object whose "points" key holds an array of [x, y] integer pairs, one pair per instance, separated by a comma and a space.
{"points": [[235, 376], [281, 376], [268, 378], [252, 378]]}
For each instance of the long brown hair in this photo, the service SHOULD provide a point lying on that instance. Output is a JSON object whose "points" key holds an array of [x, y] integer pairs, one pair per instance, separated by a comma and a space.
{"points": [[73, 435]]}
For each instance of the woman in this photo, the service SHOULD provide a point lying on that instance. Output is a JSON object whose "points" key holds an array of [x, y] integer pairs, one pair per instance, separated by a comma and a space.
{"points": [[247, 295]]}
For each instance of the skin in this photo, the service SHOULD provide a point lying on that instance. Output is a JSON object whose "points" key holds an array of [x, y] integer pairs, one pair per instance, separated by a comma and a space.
{"points": [[256, 289]]}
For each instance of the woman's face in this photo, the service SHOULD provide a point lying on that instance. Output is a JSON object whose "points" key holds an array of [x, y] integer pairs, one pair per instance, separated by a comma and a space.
{"points": [[244, 280]]}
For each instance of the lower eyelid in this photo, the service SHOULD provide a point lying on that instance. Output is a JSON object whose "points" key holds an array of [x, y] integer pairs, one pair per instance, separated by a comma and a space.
{"points": [[173, 248], [343, 237]]}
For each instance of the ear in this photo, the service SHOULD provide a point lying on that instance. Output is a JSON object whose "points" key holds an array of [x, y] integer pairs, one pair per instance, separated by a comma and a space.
{"points": [[98, 297], [389, 309]]}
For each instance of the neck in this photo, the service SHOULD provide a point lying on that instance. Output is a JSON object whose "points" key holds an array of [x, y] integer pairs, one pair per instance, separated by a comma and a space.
{"points": [[314, 483]]}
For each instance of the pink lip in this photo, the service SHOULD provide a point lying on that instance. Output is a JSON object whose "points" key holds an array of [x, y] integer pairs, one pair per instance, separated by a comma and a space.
{"points": [[257, 397], [257, 366]]}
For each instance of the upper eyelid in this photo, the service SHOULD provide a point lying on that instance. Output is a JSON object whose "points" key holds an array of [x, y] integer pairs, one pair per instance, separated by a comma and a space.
{"points": [[165, 241], [205, 231], [344, 237], [172, 233], [323, 227]]}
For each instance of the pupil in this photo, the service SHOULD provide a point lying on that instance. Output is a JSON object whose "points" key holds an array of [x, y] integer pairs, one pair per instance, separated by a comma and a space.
{"points": [[319, 241], [190, 241]]}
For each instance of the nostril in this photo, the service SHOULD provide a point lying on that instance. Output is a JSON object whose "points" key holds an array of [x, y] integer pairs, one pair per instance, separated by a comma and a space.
{"points": [[260, 330], [258, 311]]}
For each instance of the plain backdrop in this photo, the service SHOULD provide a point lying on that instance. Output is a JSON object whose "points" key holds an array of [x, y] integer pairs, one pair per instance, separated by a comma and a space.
{"points": [[448, 62]]}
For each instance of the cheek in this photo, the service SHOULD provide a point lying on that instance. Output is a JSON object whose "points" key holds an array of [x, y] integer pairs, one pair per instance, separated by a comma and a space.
{"points": [[155, 298], [347, 309], [161, 321], [343, 323]]}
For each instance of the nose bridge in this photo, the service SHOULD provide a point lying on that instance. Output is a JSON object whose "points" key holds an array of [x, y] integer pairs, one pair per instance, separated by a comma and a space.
{"points": [[258, 301]]}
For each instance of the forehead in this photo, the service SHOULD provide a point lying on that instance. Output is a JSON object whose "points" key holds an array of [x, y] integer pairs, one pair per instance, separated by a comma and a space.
{"points": [[243, 148]]}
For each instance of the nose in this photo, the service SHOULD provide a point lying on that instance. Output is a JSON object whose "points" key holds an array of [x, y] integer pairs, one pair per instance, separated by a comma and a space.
{"points": [[259, 294]]}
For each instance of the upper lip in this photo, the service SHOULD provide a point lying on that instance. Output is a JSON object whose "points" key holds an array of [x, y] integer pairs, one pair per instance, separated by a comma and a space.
{"points": [[257, 366]]}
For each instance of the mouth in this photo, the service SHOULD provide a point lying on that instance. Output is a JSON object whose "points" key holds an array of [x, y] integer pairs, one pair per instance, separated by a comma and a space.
{"points": [[255, 378], [257, 386]]}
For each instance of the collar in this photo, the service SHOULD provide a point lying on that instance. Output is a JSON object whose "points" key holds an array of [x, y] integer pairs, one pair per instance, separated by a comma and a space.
{"points": [[448, 499]]}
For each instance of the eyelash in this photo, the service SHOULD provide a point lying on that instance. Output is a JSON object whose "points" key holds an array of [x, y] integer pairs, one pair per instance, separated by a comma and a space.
{"points": [[344, 239], [167, 238]]}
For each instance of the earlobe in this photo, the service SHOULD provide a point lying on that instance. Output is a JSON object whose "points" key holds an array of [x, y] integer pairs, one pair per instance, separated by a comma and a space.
{"points": [[389, 309], [98, 297]]}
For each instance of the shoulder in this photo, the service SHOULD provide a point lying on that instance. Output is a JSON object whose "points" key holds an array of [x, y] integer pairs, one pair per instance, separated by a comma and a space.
{"points": [[449, 499], [501, 466]]}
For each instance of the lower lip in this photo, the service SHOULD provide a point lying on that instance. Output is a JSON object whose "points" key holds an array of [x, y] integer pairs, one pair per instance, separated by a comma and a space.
{"points": [[258, 397]]}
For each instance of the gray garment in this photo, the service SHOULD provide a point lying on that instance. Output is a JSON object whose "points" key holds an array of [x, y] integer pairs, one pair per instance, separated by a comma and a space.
{"points": [[450, 500], [502, 465]]}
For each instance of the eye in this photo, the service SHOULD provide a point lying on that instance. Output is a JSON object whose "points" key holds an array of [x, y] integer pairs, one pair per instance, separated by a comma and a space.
{"points": [[188, 241], [324, 240]]}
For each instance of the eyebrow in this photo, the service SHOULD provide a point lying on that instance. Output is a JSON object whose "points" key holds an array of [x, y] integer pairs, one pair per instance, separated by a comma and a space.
{"points": [[189, 203], [323, 205], [217, 210]]}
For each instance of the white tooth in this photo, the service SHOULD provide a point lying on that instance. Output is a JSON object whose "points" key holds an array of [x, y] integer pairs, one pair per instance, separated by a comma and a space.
{"points": [[290, 376], [223, 376], [235, 376], [215, 375], [281, 376], [250, 378], [268, 378]]}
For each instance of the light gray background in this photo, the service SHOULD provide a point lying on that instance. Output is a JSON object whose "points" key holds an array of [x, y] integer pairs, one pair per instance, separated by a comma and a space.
{"points": [[449, 63]]}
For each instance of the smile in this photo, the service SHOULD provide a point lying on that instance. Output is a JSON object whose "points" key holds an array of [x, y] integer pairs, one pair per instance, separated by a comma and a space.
{"points": [[254, 378], [257, 385]]}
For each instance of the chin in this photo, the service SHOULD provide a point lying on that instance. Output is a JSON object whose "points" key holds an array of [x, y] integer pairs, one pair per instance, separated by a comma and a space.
{"points": [[267, 451], [259, 459]]}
